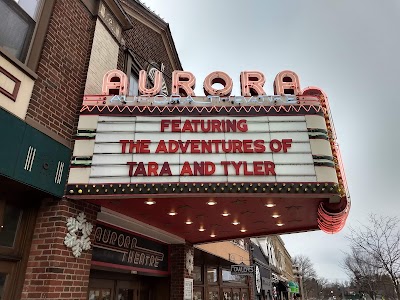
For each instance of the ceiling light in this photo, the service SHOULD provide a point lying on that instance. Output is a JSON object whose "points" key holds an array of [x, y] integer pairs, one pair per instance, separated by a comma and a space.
{"points": [[270, 205], [276, 216], [150, 202], [280, 224], [235, 222], [172, 213], [243, 230], [212, 202], [225, 214], [212, 235], [188, 222], [202, 229]]}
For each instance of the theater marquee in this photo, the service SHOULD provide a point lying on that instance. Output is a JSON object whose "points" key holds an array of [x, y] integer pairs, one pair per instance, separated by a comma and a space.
{"points": [[253, 148]]}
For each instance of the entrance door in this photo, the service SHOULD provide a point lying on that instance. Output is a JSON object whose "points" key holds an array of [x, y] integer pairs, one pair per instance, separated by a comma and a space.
{"points": [[104, 289], [127, 290], [101, 289]]}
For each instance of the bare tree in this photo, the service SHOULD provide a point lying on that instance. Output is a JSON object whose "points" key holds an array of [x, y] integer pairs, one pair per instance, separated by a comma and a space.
{"points": [[378, 245], [309, 276], [363, 271]]}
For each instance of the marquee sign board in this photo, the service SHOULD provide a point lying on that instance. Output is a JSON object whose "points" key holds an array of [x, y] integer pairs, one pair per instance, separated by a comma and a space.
{"points": [[202, 149], [217, 146]]}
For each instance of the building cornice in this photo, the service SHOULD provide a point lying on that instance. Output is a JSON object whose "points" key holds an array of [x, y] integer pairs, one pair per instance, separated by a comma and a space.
{"points": [[153, 21]]}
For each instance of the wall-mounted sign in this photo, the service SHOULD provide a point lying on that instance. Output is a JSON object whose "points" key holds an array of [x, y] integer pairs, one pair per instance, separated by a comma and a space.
{"points": [[242, 269], [123, 249], [188, 289]]}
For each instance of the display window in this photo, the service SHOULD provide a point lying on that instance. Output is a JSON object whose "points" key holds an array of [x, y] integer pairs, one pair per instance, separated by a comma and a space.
{"points": [[220, 284]]}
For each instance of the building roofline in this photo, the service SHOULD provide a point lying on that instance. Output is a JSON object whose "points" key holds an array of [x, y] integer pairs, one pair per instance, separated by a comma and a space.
{"points": [[158, 22]]}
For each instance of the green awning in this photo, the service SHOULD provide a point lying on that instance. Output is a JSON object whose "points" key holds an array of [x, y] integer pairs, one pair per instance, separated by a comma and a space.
{"points": [[293, 287]]}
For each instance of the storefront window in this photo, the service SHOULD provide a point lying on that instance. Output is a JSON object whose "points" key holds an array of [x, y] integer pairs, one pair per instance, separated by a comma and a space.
{"points": [[3, 278], [100, 294], [245, 295], [212, 275], [227, 277], [198, 293], [213, 295], [236, 295], [197, 274], [10, 224], [227, 295]]}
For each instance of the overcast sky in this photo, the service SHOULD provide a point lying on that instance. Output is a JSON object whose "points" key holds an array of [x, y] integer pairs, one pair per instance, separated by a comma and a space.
{"points": [[349, 48]]}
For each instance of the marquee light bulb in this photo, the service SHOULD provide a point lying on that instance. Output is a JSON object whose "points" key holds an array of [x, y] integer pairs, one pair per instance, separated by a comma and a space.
{"points": [[202, 229], [225, 214], [235, 222], [276, 216], [172, 213], [188, 222], [280, 224], [270, 205], [212, 202], [212, 235], [150, 202], [243, 230]]}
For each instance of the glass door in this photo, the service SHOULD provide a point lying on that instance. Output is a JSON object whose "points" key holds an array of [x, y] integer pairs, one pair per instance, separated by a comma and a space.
{"points": [[100, 289], [127, 290]]}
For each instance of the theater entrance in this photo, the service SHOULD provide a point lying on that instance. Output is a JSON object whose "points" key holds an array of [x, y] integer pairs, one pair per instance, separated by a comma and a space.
{"points": [[103, 289], [119, 286]]}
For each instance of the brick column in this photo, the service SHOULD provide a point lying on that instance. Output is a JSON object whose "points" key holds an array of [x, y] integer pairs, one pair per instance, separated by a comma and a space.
{"points": [[178, 269], [53, 272]]}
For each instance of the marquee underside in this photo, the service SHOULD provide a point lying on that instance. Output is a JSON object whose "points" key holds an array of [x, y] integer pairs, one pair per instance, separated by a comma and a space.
{"points": [[288, 213]]}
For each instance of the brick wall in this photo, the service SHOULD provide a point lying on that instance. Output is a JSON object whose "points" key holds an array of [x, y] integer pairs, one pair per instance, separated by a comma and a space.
{"points": [[178, 270], [103, 58], [149, 46], [52, 271], [62, 69]]}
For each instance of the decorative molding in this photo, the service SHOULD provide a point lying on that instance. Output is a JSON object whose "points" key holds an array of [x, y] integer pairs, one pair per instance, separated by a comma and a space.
{"points": [[17, 83], [78, 236], [197, 110], [145, 189], [109, 20], [152, 75], [189, 262]]}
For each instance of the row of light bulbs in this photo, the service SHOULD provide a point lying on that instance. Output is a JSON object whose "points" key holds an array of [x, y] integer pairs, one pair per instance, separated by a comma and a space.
{"points": [[224, 214]]}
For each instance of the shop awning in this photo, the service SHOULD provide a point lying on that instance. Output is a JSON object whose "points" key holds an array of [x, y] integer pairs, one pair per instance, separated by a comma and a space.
{"points": [[293, 287]]}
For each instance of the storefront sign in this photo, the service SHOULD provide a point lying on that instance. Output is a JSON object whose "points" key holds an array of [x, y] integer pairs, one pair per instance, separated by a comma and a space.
{"points": [[242, 269], [128, 250], [266, 284]]}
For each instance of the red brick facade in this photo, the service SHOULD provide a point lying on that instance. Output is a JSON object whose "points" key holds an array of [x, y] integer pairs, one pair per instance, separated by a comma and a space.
{"points": [[53, 272], [62, 69], [149, 47], [178, 270]]}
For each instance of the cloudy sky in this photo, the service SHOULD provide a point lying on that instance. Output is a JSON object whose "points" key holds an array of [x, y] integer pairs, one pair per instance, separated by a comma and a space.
{"points": [[349, 48]]}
